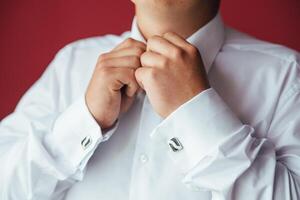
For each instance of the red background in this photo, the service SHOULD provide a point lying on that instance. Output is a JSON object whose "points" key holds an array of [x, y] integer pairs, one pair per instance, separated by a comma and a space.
{"points": [[32, 31]]}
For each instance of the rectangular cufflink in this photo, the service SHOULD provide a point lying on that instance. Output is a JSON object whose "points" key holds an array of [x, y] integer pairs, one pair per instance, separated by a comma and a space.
{"points": [[175, 144], [86, 142]]}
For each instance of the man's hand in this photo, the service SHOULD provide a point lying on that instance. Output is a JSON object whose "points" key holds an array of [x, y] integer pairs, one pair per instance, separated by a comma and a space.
{"points": [[172, 72], [113, 86]]}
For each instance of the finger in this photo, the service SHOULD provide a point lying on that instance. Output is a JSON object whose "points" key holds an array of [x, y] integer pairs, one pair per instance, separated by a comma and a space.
{"points": [[143, 75], [176, 40], [125, 61], [126, 103], [125, 77], [130, 43], [152, 59], [129, 51], [161, 46]]}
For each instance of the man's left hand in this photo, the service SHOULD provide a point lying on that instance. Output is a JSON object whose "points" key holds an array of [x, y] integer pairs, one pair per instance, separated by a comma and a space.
{"points": [[172, 72]]}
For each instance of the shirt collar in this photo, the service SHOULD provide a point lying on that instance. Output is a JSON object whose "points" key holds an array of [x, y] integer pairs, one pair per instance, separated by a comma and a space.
{"points": [[208, 39]]}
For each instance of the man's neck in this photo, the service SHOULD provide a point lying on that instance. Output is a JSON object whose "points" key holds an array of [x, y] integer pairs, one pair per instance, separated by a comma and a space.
{"points": [[185, 24]]}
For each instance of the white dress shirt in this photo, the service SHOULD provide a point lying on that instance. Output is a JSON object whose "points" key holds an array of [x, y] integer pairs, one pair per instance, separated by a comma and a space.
{"points": [[239, 139]]}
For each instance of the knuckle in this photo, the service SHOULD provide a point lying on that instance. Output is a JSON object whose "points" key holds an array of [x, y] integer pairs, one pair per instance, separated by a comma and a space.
{"points": [[135, 60], [177, 53], [164, 62], [129, 41], [100, 63], [139, 51], [104, 71], [102, 57]]}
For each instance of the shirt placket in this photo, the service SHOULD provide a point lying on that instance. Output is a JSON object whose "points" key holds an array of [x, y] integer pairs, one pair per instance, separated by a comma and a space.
{"points": [[149, 120]]}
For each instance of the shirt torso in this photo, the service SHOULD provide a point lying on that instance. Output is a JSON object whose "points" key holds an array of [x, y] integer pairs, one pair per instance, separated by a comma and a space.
{"points": [[247, 74]]}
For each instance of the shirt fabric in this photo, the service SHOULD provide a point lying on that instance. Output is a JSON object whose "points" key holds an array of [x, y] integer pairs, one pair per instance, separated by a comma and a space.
{"points": [[240, 138]]}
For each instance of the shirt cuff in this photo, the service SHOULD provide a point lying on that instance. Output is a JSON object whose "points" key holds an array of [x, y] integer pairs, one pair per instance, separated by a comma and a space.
{"points": [[75, 136], [198, 127]]}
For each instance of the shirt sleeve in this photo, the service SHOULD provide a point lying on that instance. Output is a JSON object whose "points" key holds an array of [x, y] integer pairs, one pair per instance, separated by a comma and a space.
{"points": [[44, 147], [74, 137], [222, 155]]}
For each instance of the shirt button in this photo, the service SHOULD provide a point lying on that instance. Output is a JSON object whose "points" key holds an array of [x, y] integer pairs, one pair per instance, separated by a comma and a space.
{"points": [[143, 158]]}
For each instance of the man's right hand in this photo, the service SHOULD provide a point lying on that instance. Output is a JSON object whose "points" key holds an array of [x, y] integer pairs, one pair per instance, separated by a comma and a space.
{"points": [[113, 86]]}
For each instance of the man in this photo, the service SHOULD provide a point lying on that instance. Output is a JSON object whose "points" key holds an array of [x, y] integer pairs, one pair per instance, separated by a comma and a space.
{"points": [[179, 108]]}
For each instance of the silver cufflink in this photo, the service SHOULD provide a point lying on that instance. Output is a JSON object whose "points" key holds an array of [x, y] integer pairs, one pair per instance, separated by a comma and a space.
{"points": [[175, 144], [86, 142]]}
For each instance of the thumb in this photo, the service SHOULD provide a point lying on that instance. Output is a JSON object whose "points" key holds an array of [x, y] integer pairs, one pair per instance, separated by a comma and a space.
{"points": [[141, 76]]}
